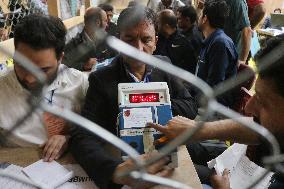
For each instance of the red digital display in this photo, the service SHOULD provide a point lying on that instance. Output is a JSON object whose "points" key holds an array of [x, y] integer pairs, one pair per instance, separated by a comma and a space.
{"points": [[145, 97]]}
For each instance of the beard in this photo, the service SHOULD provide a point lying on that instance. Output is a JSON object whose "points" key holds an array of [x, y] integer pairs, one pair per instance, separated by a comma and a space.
{"points": [[36, 87]]}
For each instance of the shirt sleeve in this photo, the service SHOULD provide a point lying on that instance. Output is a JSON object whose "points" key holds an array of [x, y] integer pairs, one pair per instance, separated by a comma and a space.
{"points": [[218, 62], [183, 103], [243, 15]]}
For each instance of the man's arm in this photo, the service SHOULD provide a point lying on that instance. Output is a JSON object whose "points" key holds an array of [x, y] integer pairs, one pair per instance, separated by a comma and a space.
{"points": [[246, 34], [183, 103], [258, 14], [222, 130], [245, 41], [87, 149]]}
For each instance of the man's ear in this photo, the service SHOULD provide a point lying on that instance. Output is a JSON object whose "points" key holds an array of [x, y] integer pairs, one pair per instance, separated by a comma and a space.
{"points": [[98, 23], [204, 19], [156, 40], [60, 58]]}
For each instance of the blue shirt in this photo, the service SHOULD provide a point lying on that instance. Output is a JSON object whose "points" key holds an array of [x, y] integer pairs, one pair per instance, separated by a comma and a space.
{"points": [[217, 61]]}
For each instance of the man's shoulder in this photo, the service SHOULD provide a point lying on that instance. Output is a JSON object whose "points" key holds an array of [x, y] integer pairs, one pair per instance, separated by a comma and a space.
{"points": [[222, 38], [75, 41], [72, 75], [180, 40], [7, 77]]}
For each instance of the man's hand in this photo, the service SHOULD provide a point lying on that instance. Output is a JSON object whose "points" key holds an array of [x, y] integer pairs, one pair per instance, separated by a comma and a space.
{"points": [[159, 168], [221, 182], [91, 62], [55, 147], [174, 127]]}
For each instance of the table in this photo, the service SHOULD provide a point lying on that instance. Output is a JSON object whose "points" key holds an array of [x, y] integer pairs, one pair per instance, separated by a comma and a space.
{"points": [[185, 173]]}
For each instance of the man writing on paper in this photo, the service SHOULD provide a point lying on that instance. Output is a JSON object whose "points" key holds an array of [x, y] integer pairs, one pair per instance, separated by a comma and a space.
{"points": [[137, 28], [266, 107], [41, 39]]}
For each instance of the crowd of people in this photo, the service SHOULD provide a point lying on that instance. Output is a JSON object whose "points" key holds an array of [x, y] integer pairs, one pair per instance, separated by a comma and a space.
{"points": [[212, 43]]}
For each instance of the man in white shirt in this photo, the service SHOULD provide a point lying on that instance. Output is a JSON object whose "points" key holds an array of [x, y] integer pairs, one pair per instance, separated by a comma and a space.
{"points": [[41, 39], [170, 4]]}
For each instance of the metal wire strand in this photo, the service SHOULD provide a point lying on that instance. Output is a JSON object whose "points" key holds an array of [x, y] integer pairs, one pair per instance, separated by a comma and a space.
{"points": [[95, 129], [148, 59], [120, 144], [158, 180]]}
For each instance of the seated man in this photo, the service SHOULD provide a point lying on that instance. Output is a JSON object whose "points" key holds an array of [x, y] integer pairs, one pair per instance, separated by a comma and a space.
{"points": [[173, 44], [262, 106], [101, 105], [218, 57], [85, 50], [41, 39]]}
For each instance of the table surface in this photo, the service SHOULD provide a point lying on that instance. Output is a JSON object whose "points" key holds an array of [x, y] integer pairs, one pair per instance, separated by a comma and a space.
{"points": [[185, 172]]}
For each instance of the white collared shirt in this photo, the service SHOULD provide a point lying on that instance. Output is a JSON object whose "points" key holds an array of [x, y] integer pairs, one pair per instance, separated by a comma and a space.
{"points": [[69, 88]]}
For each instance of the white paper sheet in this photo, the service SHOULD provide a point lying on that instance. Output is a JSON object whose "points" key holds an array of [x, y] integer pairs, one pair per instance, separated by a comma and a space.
{"points": [[228, 159], [80, 180], [246, 173], [50, 174], [136, 117], [243, 172], [9, 183]]}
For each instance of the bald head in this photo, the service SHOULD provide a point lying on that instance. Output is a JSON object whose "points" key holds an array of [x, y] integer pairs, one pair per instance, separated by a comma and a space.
{"points": [[95, 17], [167, 17]]}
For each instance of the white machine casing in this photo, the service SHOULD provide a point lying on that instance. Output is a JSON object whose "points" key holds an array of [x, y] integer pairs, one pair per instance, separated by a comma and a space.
{"points": [[140, 103]]}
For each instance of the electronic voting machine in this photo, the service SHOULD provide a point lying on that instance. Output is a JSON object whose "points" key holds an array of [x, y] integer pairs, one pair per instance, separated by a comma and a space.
{"points": [[140, 103]]}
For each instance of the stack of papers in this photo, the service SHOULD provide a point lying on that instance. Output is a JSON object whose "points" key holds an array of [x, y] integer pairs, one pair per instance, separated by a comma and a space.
{"points": [[51, 175], [48, 174], [243, 172]]}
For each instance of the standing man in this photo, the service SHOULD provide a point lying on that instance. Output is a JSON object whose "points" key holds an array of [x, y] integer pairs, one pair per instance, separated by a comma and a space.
{"points": [[218, 57], [186, 17], [237, 27], [173, 44], [85, 50], [137, 28], [170, 4], [41, 39]]}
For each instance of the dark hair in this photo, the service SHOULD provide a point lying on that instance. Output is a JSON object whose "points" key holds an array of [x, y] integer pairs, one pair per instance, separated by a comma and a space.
{"points": [[131, 16], [41, 32], [216, 12], [106, 7], [278, 9], [167, 18], [189, 12], [275, 69]]}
